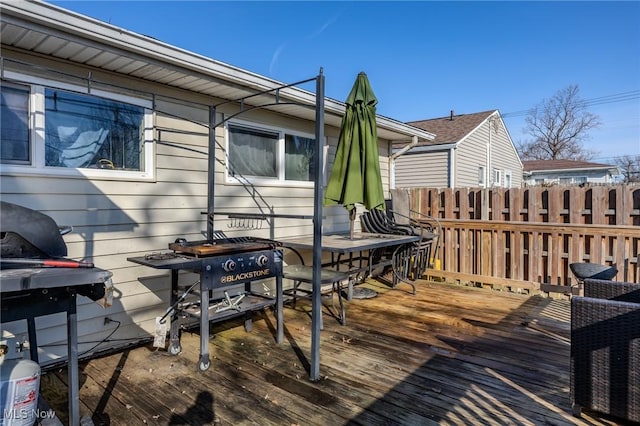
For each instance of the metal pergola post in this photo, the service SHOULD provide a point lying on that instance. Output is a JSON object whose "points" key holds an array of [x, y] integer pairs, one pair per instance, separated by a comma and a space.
{"points": [[211, 176], [314, 372]]}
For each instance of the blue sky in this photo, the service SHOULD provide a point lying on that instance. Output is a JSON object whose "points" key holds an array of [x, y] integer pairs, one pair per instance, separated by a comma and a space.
{"points": [[423, 59]]}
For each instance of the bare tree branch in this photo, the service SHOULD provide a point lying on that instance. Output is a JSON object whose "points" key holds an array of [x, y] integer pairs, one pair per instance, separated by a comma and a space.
{"points": [[558, 126], [629, 167]]}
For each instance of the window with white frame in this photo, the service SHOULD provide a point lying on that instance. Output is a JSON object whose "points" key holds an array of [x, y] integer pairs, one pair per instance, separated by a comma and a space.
{"points": [[497, 177], [268, 154], [481, 176], [507, 179], [51, 130]]}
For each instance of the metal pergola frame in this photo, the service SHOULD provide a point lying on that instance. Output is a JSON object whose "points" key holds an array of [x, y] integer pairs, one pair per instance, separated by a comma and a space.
{"points": [[318, 180], [314, 369]]}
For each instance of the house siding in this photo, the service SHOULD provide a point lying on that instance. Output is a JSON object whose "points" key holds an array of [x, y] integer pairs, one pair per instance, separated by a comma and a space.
{"points": [[472, 153], [116, 219], [422, 170], [504, 156]]}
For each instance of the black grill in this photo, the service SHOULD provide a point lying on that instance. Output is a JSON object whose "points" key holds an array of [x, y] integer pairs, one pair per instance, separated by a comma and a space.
{"points": [[38, 280], [27, 233]]}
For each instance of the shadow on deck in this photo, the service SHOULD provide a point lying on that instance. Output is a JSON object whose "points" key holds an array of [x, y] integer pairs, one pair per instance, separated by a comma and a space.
{"points": [[448, 355]]}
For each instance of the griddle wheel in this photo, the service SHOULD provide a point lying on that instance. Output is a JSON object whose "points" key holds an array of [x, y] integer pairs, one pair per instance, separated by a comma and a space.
{"points": [[204, 364], [175, 349]]}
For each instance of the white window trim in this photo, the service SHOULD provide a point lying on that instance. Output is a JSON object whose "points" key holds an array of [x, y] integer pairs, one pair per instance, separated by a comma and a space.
{"points": [[509, 175], [280, 180], [481, 176], [497, 177], [36, 130]]}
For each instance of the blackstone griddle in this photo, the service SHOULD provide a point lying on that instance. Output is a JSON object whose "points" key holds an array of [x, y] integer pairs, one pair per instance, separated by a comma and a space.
{"points": [[222, 264]]}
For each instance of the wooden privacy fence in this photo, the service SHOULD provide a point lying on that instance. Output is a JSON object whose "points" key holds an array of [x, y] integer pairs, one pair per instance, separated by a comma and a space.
{"points": [[524, 239]]}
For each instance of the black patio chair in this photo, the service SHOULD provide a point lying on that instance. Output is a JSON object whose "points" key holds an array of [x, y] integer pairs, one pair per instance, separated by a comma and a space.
{"points": [[398, 208], [384, 224], [408, 261]]}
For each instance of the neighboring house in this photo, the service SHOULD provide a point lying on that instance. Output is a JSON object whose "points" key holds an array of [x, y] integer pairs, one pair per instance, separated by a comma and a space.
{"points": [[469, 150], [108, 131], [567, 172]]}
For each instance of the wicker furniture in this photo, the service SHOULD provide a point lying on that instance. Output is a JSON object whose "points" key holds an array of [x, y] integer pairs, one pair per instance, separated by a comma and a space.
{"points": [[615, 290], [605, 349]]}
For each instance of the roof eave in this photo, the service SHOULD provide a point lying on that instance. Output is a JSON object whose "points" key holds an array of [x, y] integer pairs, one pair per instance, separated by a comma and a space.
{"points": [[612, 170], [419, 149]]}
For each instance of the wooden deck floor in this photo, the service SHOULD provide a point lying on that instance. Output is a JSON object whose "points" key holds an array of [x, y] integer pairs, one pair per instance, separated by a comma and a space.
{"points": [[448, 355]]}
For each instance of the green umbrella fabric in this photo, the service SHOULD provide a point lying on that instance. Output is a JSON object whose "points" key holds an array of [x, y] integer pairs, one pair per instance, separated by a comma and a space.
{"points": [[355, 177]]}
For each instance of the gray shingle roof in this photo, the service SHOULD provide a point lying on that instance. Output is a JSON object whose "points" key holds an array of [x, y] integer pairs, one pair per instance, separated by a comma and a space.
{"points": [[539, 165], [451, 129]]}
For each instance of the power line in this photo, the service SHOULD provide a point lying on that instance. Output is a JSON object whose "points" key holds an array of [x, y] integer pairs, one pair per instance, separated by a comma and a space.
{"points": [[601, 100]]}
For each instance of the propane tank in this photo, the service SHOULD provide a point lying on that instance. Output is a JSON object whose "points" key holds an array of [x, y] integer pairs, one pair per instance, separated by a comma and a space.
{"points": [[19, 388]]}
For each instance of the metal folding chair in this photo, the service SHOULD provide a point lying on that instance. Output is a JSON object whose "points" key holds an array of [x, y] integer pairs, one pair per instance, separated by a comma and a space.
{"points": [[330, 282]]}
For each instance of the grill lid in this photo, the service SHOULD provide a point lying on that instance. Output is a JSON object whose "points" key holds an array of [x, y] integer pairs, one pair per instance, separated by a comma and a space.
{"points": [[28, 233]]}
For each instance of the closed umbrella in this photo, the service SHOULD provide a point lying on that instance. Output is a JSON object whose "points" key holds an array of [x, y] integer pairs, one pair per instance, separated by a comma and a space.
{"points": [[355, 177]]}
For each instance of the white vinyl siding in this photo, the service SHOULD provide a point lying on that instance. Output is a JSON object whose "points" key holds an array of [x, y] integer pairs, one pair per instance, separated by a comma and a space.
{"points": [[504, 157], [474, 152], [422, 170], [470, 155]]}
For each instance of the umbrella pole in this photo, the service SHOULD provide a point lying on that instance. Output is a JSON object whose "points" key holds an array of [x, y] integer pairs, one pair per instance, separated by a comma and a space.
{"points": [[352, 219]]}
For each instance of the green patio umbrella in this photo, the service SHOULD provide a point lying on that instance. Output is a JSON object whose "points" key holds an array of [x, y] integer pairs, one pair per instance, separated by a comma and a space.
{"points": [[355, 177]]}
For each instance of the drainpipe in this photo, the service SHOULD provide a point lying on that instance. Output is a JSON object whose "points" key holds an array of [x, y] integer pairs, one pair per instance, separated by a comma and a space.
{"points": [[489, 180], [392, 161], [452, 167]]}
